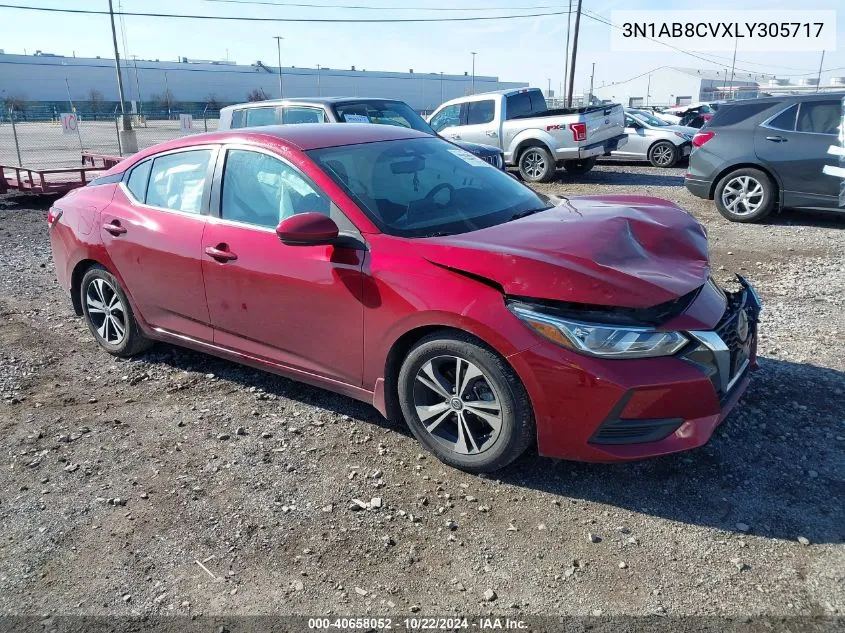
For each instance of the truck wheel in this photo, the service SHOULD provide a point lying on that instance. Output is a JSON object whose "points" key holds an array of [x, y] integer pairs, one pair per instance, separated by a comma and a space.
{"points": [[577, 167], [663, 154], [745, 195], [536, 164]]}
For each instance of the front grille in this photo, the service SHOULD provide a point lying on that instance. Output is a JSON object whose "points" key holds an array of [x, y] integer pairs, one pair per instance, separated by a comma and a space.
{"points": [[620, 431], [493, 159]]}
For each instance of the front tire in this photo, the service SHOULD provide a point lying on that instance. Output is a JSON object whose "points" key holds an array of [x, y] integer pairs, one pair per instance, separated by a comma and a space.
{"points": [[109, 316], [745, 195], [464, 403], [536, 164], [663, 154], [579, 167]]}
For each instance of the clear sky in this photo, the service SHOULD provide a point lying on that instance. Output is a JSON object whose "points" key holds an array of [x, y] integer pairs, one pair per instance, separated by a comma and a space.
{"points": [[530, 49]]}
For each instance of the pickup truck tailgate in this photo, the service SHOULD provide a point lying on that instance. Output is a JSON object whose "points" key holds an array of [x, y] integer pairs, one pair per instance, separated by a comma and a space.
{"points": [[604, 123]]}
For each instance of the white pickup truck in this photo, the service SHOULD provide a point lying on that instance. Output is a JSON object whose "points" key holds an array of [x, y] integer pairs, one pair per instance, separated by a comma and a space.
{"points": [[533, 137]]}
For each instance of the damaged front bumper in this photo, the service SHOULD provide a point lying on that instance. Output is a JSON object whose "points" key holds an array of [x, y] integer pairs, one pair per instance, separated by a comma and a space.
{"points": [[611, 410]]}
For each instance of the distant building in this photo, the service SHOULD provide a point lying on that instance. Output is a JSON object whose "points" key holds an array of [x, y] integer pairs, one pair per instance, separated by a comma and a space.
{"points": [[48, 78]]}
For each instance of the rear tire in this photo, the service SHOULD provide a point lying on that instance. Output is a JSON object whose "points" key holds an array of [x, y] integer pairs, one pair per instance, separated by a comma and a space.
{"points": [[579, 167], [465, 403], [663, 154], [109, 316], [745, 195], [536, 164]]}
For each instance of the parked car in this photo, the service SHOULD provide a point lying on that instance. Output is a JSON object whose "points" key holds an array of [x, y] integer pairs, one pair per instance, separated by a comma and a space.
{"points": [[759, 155], [341, 110], [534, 138], [393, 267], [695, 115], [656, 141]]}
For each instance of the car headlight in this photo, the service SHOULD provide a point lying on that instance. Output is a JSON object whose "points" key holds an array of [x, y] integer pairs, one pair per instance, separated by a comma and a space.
{"points": [[602, 340]]}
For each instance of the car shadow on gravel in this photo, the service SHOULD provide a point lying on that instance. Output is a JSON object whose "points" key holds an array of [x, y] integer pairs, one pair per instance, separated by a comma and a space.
{"points": [[774, 465], [816, 219], [774, 468], [617, 178]]}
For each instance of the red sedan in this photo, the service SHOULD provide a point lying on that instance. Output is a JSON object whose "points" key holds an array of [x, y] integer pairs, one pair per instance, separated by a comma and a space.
{"points": [[399, 269]]}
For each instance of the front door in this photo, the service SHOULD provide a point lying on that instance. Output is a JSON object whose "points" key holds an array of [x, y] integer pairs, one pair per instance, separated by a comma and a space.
{"points": [[298, 306], [480, 124], [152, 231], [796, 145]]}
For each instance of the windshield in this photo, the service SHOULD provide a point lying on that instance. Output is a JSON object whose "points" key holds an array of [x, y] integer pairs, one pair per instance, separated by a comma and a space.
{"points": [[383, 113], [423, 187], [647, 118]]}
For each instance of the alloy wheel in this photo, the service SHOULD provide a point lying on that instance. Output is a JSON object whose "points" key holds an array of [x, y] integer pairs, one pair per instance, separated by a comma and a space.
{"points": [[457, 404], [534, 163], [662, 155], [742, 195], [106, 311]]}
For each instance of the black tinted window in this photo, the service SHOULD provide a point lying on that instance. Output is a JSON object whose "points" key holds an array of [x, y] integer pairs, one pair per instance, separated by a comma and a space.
{"points": [[820, 117], [480, 112], [785, 120], [538, 102], [731, 114], [519, 105], [138, 178]]}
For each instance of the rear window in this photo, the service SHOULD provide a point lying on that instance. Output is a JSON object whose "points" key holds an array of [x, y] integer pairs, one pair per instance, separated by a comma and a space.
{"points": [[731, 114], [820, 117], [519, 105], [257, 117], [479, 112], [237, 118], [538, 102]]}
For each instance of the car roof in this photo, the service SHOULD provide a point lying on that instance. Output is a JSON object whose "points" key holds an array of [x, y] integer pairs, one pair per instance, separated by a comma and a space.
{"points": [[813, 96], [309, 100], [303, 136]]}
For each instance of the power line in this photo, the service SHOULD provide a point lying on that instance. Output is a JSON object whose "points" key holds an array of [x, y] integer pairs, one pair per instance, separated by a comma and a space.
{"points": [[244, 18], [369, 7]]}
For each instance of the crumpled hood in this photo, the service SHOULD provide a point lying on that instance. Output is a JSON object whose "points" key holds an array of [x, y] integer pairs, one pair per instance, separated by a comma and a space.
{"points": [[624, 251]]}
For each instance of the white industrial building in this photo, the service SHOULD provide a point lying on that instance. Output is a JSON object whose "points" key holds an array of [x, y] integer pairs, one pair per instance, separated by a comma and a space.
{"points": [[45, 78]]}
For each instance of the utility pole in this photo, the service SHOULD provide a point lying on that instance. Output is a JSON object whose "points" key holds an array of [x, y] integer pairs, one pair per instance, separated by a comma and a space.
{"points": [[69, 100], [128, 140], [549, 91], [167, 95], [593, 74], [278, 39], [819, 76], [574, 56], [733, 66], [472, 85], [566, 63], [647, 90], [137, 82]]}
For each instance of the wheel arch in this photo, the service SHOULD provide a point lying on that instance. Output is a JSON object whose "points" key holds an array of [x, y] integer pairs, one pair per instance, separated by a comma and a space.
{"points": [[747, 165], [525, 143], [79, 270]]}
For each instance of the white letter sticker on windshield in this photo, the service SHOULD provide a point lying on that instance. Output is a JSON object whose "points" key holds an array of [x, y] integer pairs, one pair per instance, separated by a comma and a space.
{"points": [[472, 159], [356, 118]]}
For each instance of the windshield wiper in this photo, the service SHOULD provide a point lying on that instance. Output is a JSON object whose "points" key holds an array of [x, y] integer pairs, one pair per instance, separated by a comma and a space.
{"points": [[525, 214]]}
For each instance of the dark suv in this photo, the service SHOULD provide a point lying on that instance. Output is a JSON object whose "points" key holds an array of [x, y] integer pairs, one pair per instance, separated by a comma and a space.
{"points": [[777, 152]]}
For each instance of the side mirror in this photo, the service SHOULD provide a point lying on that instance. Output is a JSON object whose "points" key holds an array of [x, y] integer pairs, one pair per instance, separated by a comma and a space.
{"points": [[307, 229]]}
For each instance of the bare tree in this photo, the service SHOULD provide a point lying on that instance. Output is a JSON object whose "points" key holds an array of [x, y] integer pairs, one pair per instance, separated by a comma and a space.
{"points": [[96, 101], [15, 103], [211, 102], [163, 101], [257, 95]]}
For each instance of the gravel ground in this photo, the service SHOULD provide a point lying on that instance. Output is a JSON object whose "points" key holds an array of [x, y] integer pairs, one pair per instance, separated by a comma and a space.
{"points": [[176, 483]]}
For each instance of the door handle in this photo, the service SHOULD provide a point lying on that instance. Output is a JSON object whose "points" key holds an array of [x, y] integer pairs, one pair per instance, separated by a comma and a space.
{"points": [[455, 136], [491, 134], [221, 253], [776, 139], [114, 228]]}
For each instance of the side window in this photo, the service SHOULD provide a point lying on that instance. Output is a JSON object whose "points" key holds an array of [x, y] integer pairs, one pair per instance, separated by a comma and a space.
{"points": [[479, 112], [138, 177], [538, 102], [238, 118], [519, 105], [261, 190], [256, 117], [449, 116], [819, 117], [303, 115], [785, 120], [177, 181]]}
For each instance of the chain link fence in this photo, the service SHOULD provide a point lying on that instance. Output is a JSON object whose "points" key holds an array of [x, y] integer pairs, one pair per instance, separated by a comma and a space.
{"points": [[36, 137]]}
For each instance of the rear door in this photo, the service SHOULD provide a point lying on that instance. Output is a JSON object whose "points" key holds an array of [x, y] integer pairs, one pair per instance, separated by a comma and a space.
{"points": [[152, 232], [796, 143], [480, 123]]}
